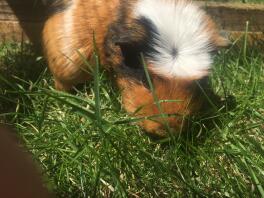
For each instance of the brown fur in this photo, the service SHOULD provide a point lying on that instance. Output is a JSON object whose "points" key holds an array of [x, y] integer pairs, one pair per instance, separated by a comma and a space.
{"points": [[179, 98], [115, 32], [19, 176], [61, 51], [216, 39]]}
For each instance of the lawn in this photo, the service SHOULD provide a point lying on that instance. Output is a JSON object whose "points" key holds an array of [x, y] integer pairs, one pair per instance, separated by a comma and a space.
{"points": [[89, 147]]}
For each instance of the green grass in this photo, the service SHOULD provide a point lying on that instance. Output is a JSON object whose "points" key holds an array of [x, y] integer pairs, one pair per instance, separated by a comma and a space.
{"points": [[88, 146]]}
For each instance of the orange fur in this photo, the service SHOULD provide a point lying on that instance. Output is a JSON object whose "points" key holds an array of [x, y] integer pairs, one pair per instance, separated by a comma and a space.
{"points": [[179, 98], [61, 42]]}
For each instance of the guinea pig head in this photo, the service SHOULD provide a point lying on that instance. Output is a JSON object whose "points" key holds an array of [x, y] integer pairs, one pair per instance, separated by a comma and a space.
{"points": [[176, 39]]}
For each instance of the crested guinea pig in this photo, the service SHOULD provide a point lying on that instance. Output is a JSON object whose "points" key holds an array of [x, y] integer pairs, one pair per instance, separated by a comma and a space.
{"points": [[176, 38]]}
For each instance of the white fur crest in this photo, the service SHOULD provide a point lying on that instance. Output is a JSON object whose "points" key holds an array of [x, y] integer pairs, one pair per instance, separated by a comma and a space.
{"points": [[181, 27]]}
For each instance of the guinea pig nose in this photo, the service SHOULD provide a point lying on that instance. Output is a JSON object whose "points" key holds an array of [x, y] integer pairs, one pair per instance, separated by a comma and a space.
{"points": [[166, 131]]}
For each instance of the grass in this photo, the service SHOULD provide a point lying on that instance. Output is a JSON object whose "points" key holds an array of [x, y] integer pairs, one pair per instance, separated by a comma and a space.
{"points": [[89, 147]]}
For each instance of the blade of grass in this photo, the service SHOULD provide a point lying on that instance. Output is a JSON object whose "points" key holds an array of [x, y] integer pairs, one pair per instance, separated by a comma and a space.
{"points": [[155, 97]]}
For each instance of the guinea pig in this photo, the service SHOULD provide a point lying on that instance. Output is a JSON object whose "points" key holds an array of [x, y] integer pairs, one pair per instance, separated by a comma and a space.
{"points": [[19, 176], [175, 37]]}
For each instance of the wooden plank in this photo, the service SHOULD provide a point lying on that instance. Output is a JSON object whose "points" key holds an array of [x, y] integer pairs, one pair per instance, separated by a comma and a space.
{"points": [[21, 19], [25, 17], [253, 38], [13, 31], [233, 16], [22, 10]]}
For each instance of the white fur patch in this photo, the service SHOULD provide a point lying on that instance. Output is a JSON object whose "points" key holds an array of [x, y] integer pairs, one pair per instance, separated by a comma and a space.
{"points": [[181, 26]]}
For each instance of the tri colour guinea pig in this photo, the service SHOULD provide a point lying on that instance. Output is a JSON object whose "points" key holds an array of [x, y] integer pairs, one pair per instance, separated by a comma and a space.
{"points": [[176, 38]]}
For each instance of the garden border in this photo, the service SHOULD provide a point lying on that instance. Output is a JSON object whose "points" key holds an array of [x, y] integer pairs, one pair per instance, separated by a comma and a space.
{"points": [[23, 20]]}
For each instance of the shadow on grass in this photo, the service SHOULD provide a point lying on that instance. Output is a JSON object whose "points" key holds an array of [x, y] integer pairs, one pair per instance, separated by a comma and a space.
{"points": [[17, 61]]}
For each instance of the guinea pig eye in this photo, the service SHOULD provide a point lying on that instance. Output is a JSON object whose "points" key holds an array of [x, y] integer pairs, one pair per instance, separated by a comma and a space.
{"points": [[131, 56], [132, 66]]}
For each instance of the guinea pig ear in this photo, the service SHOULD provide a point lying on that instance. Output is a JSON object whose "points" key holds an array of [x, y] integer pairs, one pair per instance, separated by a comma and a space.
{"points": [[127, 34], [116, 38], [117, 34], [122, 40], [124, 43]]}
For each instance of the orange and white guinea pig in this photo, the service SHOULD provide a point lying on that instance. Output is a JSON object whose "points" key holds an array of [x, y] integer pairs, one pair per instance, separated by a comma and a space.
{"points": [[176, 37]]}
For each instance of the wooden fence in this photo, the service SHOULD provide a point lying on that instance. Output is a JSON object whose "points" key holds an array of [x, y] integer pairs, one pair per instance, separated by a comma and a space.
{"points": [[23, 19]]}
